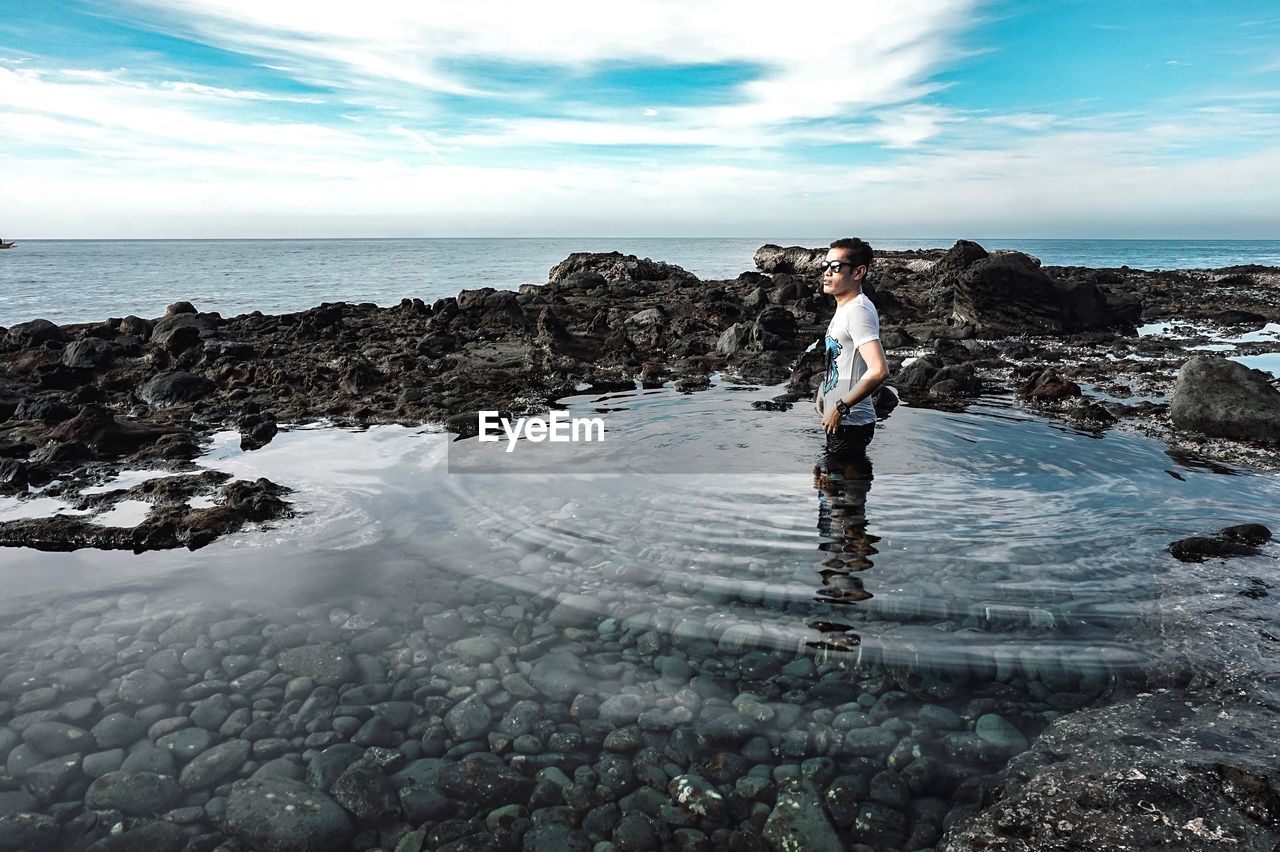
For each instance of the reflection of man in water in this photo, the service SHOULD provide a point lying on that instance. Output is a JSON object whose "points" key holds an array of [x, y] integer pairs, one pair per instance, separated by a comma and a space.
{"points": [[855, 367], [843, 485]]}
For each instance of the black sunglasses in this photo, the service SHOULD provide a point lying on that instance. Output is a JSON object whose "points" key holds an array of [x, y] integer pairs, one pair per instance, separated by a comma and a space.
{"points": [[835, 266]]}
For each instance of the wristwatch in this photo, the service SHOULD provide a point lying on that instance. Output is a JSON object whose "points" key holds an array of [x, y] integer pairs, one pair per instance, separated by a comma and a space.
{"points": [[842, 407]]}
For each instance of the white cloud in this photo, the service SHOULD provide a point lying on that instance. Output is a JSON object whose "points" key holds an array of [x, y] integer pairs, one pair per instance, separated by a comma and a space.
{"points": [[235, 94], [102, 153], [820, 58], [1092, 182]]}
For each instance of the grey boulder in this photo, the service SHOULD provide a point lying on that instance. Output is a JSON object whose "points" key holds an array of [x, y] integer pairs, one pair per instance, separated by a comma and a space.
{"points": [[1225, 399], [285, 816]]}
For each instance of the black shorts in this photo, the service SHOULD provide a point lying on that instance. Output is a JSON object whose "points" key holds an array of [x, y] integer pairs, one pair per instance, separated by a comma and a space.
{"points": [[849, 442]]}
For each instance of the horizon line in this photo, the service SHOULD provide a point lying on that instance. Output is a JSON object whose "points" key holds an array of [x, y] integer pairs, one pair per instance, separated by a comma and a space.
{"points": [[17, 240]]}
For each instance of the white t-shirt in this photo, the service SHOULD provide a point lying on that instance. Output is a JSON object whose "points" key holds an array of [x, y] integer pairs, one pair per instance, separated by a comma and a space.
{"points": [[855, 322]]}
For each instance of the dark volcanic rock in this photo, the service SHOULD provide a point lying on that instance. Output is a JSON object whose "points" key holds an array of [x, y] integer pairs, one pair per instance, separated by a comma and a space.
{"points": [[1009, 294], [256, 431], [1225, 399], [175, 388], [133, 793], [959, 257], [35, 332], [484, 780], [792, 260], [1161, 771], [285, 816], [90, 353], [616, 267], [97, 428], [1238, 540]]}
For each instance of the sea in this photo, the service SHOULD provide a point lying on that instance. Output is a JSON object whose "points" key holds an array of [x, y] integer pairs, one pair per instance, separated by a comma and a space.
{"points": [[70, 281]]}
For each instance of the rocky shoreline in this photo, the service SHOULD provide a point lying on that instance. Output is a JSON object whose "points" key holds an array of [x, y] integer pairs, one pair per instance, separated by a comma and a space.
{"points": [[462, 717], [78, 401]]}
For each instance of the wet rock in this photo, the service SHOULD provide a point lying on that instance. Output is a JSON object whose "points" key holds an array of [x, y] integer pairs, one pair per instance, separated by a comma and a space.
{"points": [[325, 767], [214, 765], [97, 428], [1145, 773], [1225, 399], [1239, 540], [1049, 386], [326, 664], [798, 822], [23, 832], [285, 816], [622, 709], [555, 837], [46, 780], [54, 739], [256, 431], [14, 476], [420, 797], [366, 792], [469, 718], [581, 611], [635, 833], [484, 780], [133, 793], [698, 796], [143, 686], [558, 676], [175, 388], [998, 731]]}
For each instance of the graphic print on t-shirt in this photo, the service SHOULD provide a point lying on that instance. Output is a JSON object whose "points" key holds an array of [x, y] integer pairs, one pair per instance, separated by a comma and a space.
{"points": [[833, 366]]}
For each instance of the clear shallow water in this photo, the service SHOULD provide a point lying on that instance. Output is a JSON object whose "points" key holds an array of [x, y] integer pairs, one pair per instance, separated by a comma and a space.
{"points": [[747, 620], [980, 534], [91, 280]]}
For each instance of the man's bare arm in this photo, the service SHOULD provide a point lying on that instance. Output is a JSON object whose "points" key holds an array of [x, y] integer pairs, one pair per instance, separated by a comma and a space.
{"points": [[877, 371]]}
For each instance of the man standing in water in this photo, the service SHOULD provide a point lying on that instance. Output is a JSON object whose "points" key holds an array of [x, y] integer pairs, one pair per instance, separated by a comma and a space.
{"points": [[855, 367], [855, 364]]}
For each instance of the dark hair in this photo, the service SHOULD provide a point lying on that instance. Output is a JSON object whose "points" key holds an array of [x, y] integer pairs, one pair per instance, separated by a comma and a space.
{"points": [[859, 252]]}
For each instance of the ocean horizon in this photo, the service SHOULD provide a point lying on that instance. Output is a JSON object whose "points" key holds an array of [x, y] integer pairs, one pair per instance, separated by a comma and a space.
{"points": [[74, 280]]}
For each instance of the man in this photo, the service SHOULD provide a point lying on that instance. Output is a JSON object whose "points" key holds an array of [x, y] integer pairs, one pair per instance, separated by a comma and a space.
{"points": [[855, 363]]}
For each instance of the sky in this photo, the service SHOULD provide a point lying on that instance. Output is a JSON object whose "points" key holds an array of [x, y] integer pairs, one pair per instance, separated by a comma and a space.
{"points": [[917, 118]]}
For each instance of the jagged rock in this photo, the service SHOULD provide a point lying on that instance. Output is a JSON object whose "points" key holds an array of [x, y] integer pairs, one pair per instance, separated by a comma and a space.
{"points": [[88, 354], [1050, 387], [96, 428], [35, 332], [1165, 770], [792, 260], [175, 388], [1009, 294], [1225, 399], [1239, 540], [256, 431], [798, 822], [177, 338], [959, 257], [615, 268]]}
